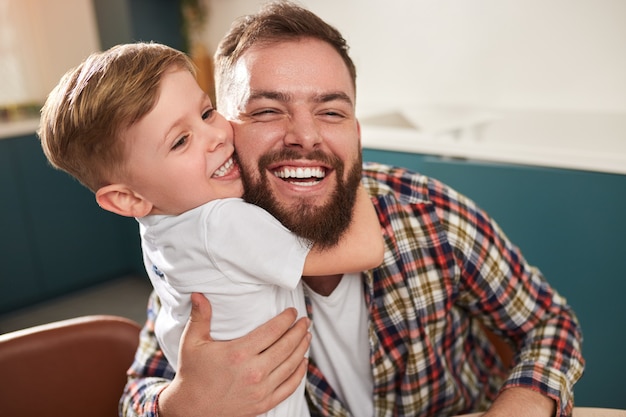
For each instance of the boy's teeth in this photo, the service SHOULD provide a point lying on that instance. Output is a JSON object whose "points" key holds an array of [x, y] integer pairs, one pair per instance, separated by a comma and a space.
{"points": [[221, 171]]}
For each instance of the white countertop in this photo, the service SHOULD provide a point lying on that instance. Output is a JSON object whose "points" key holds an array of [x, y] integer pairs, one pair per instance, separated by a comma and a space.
{"points": [[18, 127], [588, 141]]}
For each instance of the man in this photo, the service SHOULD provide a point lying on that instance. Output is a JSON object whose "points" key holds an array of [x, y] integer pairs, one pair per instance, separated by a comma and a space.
{"points": [[407, 338]]}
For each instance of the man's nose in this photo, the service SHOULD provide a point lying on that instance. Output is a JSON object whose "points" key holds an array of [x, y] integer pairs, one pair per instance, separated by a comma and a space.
{"points": [[303, 131]]}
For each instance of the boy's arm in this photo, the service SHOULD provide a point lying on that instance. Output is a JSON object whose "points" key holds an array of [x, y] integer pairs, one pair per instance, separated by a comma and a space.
{"points": [[360, 248]]}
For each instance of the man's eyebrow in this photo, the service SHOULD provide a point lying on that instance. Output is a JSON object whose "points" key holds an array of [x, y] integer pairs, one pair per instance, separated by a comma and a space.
{"points": [[270, 95], [328, 97], [284, 97]]}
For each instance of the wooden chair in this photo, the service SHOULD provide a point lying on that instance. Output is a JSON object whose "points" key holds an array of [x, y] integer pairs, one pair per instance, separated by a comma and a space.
{"points": [[68, 368]]}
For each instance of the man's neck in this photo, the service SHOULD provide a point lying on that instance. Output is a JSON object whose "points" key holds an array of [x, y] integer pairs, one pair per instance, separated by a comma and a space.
{"points": [[323, 285]]}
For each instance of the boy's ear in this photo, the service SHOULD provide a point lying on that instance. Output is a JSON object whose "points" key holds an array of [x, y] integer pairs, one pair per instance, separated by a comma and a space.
{"points": [[120, 199]]}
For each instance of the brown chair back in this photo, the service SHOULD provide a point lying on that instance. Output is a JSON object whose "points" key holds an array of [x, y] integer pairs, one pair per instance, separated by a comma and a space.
{"points": [[504, 351], [74, 367]]}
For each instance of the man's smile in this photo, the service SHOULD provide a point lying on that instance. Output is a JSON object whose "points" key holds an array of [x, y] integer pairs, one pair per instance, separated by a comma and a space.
{"points": [[301, 175]]}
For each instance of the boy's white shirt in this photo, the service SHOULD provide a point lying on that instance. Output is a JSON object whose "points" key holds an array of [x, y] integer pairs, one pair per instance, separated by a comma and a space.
{"points": [[245, 261]]}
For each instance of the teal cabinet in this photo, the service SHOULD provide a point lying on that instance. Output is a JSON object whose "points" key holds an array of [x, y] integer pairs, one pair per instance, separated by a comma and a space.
{"points": [[122, 21], [55, 238], [19, 277], [571, 225]]}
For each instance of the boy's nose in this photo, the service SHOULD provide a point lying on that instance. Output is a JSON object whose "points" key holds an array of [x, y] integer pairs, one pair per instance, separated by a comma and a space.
{"points": [[214, 138]]}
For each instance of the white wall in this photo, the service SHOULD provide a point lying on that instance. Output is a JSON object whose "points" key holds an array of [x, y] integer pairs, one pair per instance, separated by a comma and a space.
{"points": [[540, 54], [39, 42]]}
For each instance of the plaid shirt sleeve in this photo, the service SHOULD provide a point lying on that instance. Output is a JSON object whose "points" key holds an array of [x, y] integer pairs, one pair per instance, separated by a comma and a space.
{"points": [[513, 298], [149, 373]]}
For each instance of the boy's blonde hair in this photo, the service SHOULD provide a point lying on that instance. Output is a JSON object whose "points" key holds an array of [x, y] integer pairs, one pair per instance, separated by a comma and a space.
{"points": [[86, 114]]}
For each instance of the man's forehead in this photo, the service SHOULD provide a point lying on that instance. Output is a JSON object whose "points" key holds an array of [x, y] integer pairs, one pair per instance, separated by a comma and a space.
{"points": [[294, 64], [267, 54]]}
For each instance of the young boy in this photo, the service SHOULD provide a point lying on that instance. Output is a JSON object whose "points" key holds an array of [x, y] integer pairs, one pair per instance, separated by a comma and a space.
{"points": [[132, 125]]}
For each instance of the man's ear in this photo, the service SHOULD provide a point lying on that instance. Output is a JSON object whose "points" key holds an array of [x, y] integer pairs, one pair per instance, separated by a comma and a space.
{"points": [[120, 199]]}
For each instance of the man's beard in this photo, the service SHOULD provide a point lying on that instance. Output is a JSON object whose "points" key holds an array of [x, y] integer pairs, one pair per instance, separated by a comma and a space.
{"points": [[322, 225]]}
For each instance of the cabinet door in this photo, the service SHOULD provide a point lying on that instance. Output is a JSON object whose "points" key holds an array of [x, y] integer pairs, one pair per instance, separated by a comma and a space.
{"points": [[20, 275], [75, 241]]}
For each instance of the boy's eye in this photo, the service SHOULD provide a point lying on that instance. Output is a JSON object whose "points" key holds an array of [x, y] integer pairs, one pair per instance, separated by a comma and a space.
{"points": [[207, 114], [180, 142]]}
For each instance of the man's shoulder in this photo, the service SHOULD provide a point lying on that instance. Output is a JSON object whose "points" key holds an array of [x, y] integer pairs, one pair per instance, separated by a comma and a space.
{"points": [[391, 174], [380, 179], [407, 186]]}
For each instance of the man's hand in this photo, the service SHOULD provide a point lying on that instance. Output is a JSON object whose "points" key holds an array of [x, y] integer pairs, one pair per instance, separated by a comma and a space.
{"points": [[242, 377]]}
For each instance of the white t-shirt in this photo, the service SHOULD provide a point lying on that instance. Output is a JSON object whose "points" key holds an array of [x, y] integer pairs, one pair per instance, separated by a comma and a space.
{"points": [[245, 262], [340, 345]]}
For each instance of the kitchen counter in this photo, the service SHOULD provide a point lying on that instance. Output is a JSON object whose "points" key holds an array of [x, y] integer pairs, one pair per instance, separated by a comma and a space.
{"points": [[20, 127], [586, 141]]}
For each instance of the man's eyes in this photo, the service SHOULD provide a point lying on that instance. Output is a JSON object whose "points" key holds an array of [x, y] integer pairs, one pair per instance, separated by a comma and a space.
{"points": [[262, 112], [265, 113]]}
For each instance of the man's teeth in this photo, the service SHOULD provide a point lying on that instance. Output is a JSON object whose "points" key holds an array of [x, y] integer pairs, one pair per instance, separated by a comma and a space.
{"points": [[299, 174], [221, 171]]}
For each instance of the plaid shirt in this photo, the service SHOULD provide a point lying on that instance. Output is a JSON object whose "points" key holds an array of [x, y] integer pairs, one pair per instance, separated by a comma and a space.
{"points": [[448, 271]]}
